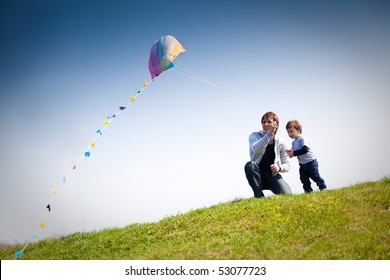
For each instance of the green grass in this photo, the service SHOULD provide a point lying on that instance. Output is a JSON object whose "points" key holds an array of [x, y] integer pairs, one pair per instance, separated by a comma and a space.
{"points": [[347, 223]]}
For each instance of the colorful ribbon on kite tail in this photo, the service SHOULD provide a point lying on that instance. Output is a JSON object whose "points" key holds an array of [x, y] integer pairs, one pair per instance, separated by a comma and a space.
{"points": [[87, 153], [107, 122]]}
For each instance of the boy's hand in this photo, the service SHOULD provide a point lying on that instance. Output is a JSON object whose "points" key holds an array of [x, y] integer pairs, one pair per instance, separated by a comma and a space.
{"points": [[290, 153]]}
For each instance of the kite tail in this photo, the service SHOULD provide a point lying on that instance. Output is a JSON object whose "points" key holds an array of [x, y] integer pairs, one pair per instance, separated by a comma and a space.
{"points": [[87, 153]]}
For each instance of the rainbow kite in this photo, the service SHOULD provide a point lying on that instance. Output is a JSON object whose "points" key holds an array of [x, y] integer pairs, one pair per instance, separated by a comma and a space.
{"points": [[162, 54]]}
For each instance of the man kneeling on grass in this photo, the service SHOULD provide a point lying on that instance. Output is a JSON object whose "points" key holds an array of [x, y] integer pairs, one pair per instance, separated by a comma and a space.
{"points": [[269, 158]]}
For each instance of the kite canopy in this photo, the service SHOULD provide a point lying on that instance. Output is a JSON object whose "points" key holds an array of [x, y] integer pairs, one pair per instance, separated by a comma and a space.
{"points": [[162, 54]]}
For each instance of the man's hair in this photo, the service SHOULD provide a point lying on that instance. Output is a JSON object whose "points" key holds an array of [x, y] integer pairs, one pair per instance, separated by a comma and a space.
{"points": [[295, 124]]}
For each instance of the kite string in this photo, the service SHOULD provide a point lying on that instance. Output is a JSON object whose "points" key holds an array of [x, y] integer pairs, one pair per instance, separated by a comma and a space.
{"points": [[193, 77], [191, 73]]}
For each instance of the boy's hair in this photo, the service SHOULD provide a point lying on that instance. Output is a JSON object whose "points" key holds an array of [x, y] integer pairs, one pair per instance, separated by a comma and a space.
{"points": [[295, 124], [271, 116]]}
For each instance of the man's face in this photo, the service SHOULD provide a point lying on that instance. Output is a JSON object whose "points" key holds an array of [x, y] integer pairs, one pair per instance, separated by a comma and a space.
{"points": [[266, 123]]}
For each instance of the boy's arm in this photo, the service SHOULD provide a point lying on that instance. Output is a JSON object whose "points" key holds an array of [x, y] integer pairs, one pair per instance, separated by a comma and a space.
{"points": [[302, 151]]}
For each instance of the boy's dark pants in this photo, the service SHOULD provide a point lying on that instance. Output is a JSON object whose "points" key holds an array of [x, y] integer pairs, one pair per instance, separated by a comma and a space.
{"points": [[310, 171]]}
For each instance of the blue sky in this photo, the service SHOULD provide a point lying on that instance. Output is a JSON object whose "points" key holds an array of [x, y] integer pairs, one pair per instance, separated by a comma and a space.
{"points": [[67, 65]]}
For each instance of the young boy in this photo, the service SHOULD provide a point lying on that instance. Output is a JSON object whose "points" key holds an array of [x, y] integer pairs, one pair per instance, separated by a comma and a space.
{"points": [[307, 160]]}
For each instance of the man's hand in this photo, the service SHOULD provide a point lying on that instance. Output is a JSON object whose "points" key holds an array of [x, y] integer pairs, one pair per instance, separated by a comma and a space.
{"points": [[273, 128], [275, 168]]}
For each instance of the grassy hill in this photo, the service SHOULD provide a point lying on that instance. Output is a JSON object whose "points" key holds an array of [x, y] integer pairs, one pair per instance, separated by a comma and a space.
{"points": [[348, 223]]}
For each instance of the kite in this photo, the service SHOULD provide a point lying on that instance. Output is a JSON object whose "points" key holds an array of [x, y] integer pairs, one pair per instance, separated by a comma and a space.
{"points": [[163, 52]]}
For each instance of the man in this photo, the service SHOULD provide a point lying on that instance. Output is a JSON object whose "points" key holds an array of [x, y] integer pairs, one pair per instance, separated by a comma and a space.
{"points": [[269, 158]]}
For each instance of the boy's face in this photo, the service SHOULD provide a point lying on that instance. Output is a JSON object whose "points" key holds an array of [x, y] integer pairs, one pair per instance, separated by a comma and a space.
{"points": [[293, 133]]}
